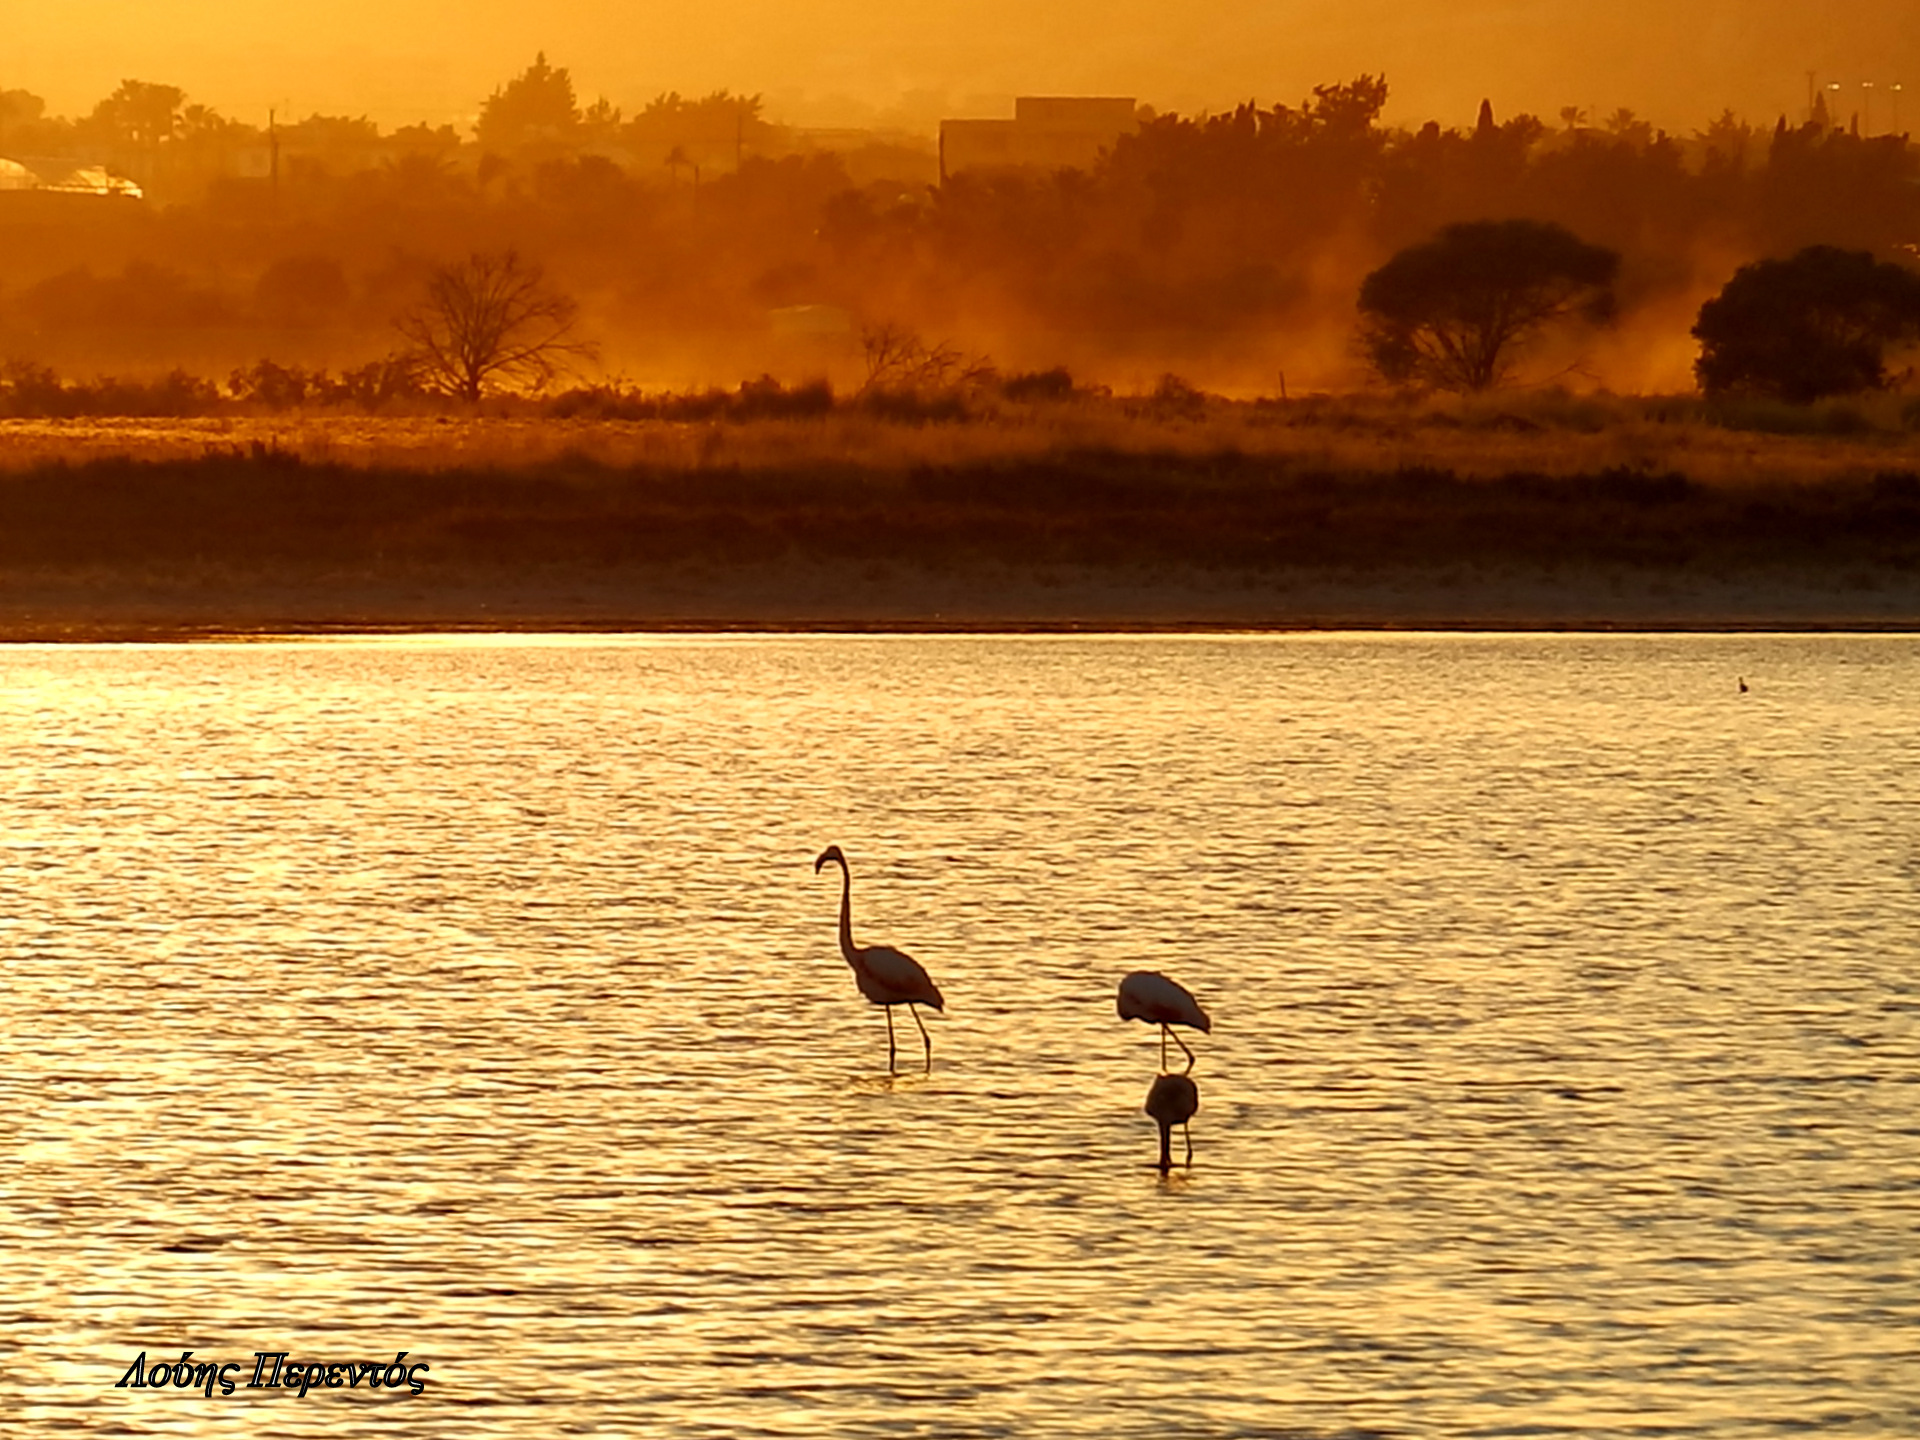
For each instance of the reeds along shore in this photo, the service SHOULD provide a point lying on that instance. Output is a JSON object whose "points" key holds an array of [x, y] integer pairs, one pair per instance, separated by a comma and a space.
{"points": [[763, 425], [1169, 510], [1186, 481]]}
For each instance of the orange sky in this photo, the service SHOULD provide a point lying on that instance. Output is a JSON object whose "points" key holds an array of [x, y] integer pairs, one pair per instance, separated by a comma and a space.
{"points": [[1677, 62]]}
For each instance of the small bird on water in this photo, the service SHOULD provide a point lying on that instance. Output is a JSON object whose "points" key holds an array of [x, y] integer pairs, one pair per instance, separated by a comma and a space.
{"points": [[886, 976], [1172, 1101], [1148, 995]]}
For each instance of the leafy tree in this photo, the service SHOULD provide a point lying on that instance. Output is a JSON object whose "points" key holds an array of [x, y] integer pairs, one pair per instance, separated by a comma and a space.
{"points": [[1623, 124], [1817, 323], [491, 321], [141, 113], [332, 133], [600, 121], [19, 107], [537, 104], [1451, 312], [1728, 140]]}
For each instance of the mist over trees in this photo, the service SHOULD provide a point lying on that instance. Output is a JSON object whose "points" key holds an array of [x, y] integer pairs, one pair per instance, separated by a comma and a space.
{"points": [[679, 230]]}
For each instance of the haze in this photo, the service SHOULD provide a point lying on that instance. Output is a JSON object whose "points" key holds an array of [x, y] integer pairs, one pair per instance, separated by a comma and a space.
{"points": [[1677, 62]]}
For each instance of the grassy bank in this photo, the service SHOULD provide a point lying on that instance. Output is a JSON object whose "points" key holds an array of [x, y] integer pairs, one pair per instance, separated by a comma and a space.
{"points": [[1225, 509], [1509, 513], [1723, 442]]}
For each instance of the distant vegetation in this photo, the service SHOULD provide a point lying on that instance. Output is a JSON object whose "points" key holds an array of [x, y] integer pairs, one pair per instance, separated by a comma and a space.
{"points": [[265, 509], [1234, 245]]}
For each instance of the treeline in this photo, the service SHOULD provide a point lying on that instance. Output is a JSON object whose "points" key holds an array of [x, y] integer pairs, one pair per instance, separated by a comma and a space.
{"points": [[395, 386], [1258, 222], [154, 134]]}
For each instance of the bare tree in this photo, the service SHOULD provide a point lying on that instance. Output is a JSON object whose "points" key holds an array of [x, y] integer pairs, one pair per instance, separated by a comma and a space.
{"points": [[492, 321], [898, 359]]}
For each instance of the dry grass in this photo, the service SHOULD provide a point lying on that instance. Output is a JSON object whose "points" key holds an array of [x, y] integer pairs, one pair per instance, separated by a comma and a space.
{"points": [[1137, 513], [1544, 434]]}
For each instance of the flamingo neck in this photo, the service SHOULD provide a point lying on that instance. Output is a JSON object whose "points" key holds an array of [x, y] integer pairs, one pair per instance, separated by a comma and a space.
{"points": [[846, 915]]}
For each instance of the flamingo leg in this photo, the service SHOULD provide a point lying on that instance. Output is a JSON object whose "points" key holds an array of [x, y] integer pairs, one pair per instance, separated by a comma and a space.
{"points": [[890, 1051], [1163, 1047], [925, 1038], [1166, 1148], [1189, 1136]]}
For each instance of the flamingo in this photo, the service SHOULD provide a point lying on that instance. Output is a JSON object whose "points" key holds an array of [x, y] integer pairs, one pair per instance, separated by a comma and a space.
{"points": [[886, 976], [1148, 995], [1172, 1101]]}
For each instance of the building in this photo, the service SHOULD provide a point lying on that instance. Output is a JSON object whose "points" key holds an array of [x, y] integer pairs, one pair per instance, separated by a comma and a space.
{"points": [[1047, 132], [63, 177]]}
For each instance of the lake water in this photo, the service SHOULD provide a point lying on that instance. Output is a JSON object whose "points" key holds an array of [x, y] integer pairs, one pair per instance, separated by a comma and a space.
{"points": [[477, 998]]}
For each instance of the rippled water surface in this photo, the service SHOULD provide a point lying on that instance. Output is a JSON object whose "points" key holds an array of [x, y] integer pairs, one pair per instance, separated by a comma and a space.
{"points": [[478, 999]]}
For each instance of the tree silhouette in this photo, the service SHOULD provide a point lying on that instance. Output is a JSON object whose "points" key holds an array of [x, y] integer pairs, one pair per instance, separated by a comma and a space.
{"points": [[1817, 323], [537, 104], [140, 113], [491, 321], [1451, 312], [19, 107], [898, 360]]}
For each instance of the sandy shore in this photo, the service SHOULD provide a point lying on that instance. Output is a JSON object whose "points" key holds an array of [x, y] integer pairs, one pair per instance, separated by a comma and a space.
{"points": [[794, 596]]}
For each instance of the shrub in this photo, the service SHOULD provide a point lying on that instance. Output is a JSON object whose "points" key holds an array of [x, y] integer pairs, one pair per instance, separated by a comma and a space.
{"points": [[1054, 384], [1815, 324]]}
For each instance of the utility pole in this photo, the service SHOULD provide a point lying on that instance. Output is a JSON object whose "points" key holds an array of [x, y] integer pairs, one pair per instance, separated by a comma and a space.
{"points": [[273, 157]]}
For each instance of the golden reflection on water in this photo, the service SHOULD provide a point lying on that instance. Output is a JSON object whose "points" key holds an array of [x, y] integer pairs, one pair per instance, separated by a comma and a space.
{"points": [[476, 998]]}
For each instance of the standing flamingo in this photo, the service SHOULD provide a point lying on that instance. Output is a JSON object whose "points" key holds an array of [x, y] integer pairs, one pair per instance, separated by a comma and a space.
{"points": [[1171, 1102], [1148, 995], [885, 976]]}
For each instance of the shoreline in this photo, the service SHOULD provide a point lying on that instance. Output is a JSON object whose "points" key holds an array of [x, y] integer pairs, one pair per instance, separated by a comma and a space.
{"points": [[796, 597], [986, 530]]}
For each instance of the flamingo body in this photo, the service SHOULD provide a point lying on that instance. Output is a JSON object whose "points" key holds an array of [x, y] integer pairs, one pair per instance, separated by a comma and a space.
{"points": [[886, 976], [1150, 996]]}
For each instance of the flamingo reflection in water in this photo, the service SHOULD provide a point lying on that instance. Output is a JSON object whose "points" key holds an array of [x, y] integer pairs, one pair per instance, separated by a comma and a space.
{"points": [[886, 976], [1148, 995], [1172, 1101]]}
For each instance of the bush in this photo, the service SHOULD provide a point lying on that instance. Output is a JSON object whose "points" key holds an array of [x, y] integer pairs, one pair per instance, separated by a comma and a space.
{"points": [[36, 391], [1815, 324], [768, 397], [1054, 384]]}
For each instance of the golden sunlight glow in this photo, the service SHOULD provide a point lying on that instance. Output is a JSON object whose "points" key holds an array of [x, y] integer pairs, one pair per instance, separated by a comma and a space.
{"points": [[829, 61]]}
